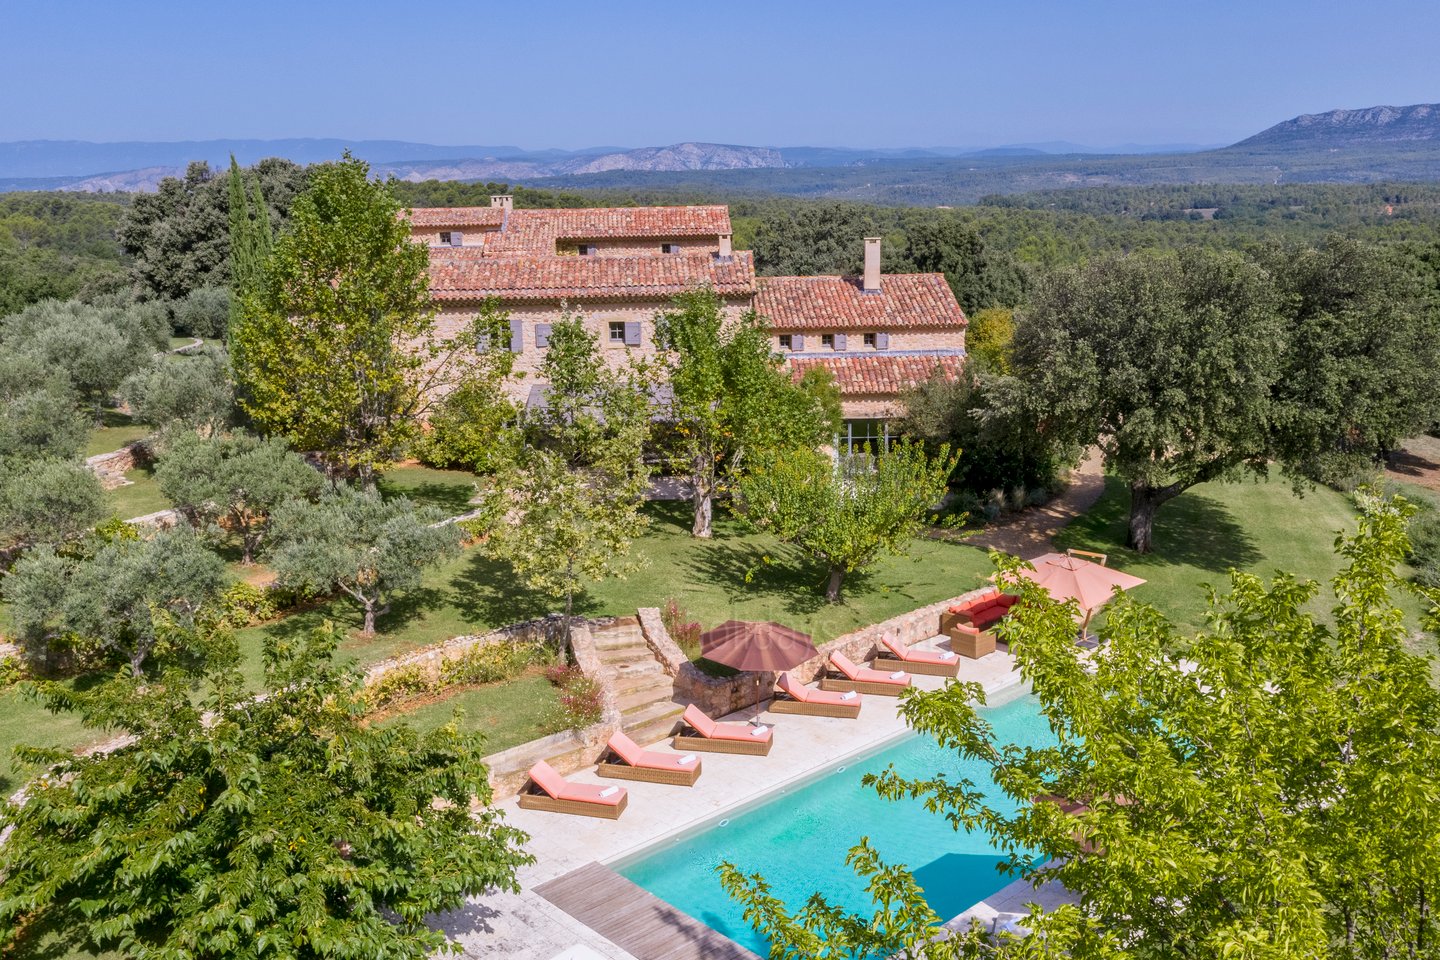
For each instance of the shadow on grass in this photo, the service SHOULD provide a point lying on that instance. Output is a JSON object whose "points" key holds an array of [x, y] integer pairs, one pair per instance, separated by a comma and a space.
{"points": [[450, 498], [488, 592], [1191, 530]]}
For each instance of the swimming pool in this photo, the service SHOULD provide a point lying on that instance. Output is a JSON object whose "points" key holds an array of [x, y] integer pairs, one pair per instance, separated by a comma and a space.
{"points": [[798, 839]]}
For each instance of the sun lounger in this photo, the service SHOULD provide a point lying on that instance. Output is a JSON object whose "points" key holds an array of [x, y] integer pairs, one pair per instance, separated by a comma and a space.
{"points": [[549, 791], [894, 655], [797, 698], [699, 732], [863, 679], [625, 759]]}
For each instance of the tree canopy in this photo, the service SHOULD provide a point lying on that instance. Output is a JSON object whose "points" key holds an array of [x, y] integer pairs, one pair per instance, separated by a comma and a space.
{"points": [[239, 826]]}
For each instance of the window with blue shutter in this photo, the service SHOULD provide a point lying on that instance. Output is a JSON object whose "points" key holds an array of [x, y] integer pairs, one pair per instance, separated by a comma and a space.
{"points": [[517, 336], [542, 336], [632, 333]]}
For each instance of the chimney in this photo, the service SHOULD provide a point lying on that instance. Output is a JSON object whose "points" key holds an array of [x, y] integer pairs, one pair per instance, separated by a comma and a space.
{"points": [[725, 251], [504, 201], [871, 281]]}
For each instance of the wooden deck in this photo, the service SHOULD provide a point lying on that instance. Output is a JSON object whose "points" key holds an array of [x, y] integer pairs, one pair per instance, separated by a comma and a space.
{"points": [[635, 920]]}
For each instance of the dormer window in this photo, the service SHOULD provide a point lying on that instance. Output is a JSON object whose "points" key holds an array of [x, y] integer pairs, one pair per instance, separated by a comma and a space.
{"points": [[786, 343], [452, 238], [587, 249], [669, 248]]}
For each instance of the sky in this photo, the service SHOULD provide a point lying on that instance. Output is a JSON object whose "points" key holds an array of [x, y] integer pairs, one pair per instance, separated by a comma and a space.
{"points": [[611, 72]]}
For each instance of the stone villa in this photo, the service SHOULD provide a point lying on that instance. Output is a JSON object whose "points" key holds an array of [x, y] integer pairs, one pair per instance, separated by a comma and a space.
{"points": [[618, 267]]}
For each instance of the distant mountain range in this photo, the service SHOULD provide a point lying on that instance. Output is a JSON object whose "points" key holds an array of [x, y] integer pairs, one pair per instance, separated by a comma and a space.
{"points": [[1346, 145]]}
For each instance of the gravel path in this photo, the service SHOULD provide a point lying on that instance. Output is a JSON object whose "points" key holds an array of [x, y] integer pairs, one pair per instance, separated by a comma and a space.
{"points": [[1031, 532]]}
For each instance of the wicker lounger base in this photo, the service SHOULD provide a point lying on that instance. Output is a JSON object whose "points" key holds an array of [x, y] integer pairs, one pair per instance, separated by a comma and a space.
{"points": [[847, 711], [579, 808], [675, 778], [754, 747], [924, 669], [843, 685]]}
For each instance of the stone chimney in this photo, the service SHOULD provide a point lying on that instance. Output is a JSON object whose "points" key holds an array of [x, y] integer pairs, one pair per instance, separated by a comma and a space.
{"points": [[725, 250], [504, 201], [870, 283]]}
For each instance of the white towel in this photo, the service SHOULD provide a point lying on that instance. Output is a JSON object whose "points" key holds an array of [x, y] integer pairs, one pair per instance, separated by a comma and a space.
{"points": [[759, 731], [849, 695], [946, 654], [688, 758], [609, 791], [898, 675]]}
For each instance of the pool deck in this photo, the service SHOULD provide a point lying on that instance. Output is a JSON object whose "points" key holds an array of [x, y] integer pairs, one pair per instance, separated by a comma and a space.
{"points": [[526, 926]]}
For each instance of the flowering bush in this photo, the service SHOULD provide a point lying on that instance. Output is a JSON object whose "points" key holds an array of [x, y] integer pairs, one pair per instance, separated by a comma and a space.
{"points": [[580, 704]]}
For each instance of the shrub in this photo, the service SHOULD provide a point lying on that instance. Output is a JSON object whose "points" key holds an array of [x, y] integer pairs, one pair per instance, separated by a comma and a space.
{"points": [[581, 703], [12, 671], [204, 312], [473, 428], [399, 684], [243, 604], [684, 631], [491, 663]]}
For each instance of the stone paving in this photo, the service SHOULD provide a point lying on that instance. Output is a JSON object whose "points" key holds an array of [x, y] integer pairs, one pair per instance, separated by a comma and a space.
{"points": [[526, 927]]}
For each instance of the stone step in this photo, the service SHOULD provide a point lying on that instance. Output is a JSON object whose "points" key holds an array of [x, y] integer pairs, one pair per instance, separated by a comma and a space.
{"points": [[645, 695], [653, 723], [624, 679], [610, 638], [621, 659]]}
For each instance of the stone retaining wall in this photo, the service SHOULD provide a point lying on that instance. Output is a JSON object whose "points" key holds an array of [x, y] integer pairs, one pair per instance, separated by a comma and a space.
{"points": [[112, 467], [718, 697], [549, 631]]}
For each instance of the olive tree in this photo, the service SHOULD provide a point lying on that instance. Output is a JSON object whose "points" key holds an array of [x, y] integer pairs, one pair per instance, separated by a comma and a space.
{"points": [[366, 547], [190, 391], [47, 501], [845, 514]]}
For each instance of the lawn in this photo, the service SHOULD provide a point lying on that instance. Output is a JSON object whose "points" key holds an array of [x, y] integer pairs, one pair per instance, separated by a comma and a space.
{"points": [[508, 714], [140, 497], [116, 430], [447, 490], [1255, 527]]}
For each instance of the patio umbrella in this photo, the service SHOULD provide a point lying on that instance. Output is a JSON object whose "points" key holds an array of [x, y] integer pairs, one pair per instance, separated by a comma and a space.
{"points": [[748, 645], [1068, 577]]}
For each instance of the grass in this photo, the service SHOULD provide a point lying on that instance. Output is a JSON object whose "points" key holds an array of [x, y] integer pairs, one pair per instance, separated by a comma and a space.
{"points": [[140, 497], [447, 490], [116, 430], [1257, 528], [508, 714]]}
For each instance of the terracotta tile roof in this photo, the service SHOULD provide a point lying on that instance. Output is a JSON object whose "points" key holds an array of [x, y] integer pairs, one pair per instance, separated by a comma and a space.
{"points": [[531, 231], [469, 277], [429, 217], [910, 300], [879, 374]]}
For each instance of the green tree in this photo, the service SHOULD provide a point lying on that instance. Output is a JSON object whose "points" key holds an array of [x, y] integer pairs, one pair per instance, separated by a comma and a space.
{"points": [[355, 542], [234, 480], [41, 420], [847, 514], [110, 601], [204, 313], [565, 513], [237, 826], [731, 397], [940, 242], [251, 238], [47, 501], [988, 338], [338, 350], [1168, 364], [193, 391], [475, 427], [1274, 792]]}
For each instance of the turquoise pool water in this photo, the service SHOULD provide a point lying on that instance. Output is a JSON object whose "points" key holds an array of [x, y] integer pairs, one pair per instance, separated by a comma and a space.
{"points": [[799, 838]]}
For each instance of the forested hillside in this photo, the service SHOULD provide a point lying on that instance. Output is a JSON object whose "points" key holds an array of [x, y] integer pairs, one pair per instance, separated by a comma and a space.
{"points": [[58, 245]]}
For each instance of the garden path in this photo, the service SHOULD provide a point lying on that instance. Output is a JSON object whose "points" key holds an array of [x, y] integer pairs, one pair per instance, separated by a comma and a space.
{"points": [[1031, 532]]}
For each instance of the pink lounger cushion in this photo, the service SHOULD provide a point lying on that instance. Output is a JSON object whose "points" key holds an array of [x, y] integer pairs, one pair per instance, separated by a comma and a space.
{"points": [[806, 695], [549, 780], [865, 675], [714, 730], [637, 756], [902, 652]]}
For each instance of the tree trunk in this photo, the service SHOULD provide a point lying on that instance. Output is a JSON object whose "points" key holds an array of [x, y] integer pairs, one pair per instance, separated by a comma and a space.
{"points": [[137, 658], [368, 630], [832, 589], [1145, 500], [702, 494]]}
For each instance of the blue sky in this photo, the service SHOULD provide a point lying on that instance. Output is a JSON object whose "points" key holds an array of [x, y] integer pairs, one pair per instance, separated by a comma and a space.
{"points": [[568, 74]]}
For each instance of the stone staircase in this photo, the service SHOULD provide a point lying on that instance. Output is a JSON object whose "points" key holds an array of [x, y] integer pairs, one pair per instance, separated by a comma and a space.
{"points": [[644, 693]]}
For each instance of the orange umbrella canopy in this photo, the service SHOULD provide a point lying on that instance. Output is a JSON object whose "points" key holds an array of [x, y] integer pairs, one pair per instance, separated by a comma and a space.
{"points": [[1066, 578], [747, 645]]}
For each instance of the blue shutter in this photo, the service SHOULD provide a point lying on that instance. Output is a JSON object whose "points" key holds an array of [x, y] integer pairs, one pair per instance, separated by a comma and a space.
{"points": [[632, 333], [517, 336], [542, 335], [457, 239], [797, 342], [882, 341], [840, 342]]}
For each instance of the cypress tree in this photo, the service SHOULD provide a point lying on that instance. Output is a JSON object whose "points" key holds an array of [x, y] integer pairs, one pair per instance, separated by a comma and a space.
{"points": [[251, 236]]}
